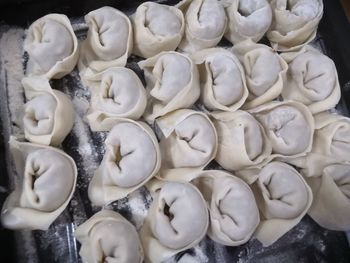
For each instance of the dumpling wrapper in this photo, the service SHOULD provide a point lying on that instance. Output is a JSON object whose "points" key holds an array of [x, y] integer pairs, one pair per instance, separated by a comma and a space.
{"points": [[166, 90], [176, 221], [283, 198], [109, 41], [157, 28], [222, 79], [47, 179], [205, 24], [247, 19], [233, 212], [312, 79], [48, 114], [188, 143], [109, 237], [288, 125], [242, 141], [331, 205], [52, 47], [294, 23], [265, 72], [131, 159], [115, 93]]}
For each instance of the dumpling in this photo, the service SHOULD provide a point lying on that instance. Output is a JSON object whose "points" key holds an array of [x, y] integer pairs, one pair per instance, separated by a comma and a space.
{"points": [[205, 24], [331, 205], [294, 23], [166, 90], [247, 19], [116, 92], [109, 237], [283, 198], [233, 212], [109, 41], [157, 28], [288, 125], [47, 178], [177, 220], [52, 47], [312, 79], [222, 79], [131, 159], [188, 143], [265, 72], [48, 115], [242, 141]]}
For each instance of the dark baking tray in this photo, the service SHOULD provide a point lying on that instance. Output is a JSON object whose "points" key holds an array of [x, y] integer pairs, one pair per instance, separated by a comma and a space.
{"points": [[307, 242]]}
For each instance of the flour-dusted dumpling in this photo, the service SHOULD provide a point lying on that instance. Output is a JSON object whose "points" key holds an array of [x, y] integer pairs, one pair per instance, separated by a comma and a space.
{"points": [[52, 47], [177, 220], [205, 24], [283, 198], [188, 143], [131, 158], [233, 212], [172, 83], [294, 23], [116, 92], [247, 19], [288, 125], [242, 141], [109, 237], [222, 79], [312, 79], [48, 114], [47, 178], [265, 72], [157, 28], [331, 189], [109, 41]]}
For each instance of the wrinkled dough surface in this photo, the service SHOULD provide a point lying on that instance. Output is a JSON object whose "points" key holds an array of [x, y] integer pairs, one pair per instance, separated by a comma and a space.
{"points": [[181, 215], [283, 191], [287, 129], [130, 155], [50, 42], [172, 73], [39, 115], [161, 21], [227, 82], [340, 174], [191, 145], [48, 180]]}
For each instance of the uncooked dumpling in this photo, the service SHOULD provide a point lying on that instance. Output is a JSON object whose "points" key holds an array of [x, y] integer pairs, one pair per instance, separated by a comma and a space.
{"points": [[109, 237], [288, 125], [205, 24], [177, 220], [283, 199], [233, 212], [247, 19], [294, 23], [265, 72], [331, 205], [109, 41], [312, 79], [116, 92], [132, 158], [47, 178], [222, 79], [168, 91], [157, 28], [52, 47], [188, 143], [242, 141], [48, 114]]}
